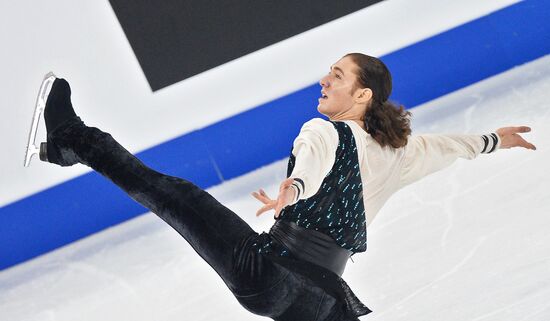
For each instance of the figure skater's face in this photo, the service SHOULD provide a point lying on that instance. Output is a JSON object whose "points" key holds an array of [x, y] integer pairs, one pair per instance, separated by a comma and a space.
{"points": [[340, 102]]}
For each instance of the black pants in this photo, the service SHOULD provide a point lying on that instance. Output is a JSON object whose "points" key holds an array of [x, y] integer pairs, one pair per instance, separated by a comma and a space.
{"points": [[217, 234]]}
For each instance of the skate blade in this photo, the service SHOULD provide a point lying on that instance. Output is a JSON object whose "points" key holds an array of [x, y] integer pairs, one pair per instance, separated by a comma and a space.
{"points": [[43, 93]]}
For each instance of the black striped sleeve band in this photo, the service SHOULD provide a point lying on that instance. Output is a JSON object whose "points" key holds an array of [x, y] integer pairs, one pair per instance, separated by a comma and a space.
{"points": [[490, 143], [299, 184]]}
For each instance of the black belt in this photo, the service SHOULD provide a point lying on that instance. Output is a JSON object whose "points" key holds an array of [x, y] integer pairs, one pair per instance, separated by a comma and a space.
{"points": [[311, 245]]}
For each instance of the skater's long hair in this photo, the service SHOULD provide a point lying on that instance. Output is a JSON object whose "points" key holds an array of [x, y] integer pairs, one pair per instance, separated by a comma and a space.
{"points": [[387, 122]]}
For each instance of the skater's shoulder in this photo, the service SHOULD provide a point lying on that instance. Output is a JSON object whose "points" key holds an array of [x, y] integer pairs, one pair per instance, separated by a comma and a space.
{"points": [[319, 128], [319, 124], [317, 120]]}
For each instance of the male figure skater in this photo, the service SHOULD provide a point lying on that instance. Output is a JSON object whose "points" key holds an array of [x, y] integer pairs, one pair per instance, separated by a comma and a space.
{"points": [[340, 173]]}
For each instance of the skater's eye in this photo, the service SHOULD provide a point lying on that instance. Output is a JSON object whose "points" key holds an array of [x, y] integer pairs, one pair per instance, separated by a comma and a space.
{"points": [[337, 76]]}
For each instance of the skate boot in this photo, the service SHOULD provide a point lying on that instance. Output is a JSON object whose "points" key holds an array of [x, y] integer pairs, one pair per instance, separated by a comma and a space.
{"points": [[54, 99]]}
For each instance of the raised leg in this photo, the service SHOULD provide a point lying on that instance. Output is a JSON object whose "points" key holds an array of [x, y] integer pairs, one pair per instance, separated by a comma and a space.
{"points": [[217, 234]]}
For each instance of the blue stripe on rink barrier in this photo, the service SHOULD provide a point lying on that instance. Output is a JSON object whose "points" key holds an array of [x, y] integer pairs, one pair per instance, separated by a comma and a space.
{"points": [[423, 71]]}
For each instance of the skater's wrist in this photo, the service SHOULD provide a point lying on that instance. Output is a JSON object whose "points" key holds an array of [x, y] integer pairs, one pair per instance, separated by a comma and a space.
{"points": [[296, 194], [298, 186], [491, 143]]}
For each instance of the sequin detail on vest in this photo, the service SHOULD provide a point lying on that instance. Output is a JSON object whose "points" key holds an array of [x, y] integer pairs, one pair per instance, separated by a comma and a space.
{"points": [[337, 208]]}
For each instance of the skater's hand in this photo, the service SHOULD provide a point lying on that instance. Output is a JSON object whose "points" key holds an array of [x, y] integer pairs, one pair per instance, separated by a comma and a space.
{"points": [[269, 203], [509, 137], [286, 196]]}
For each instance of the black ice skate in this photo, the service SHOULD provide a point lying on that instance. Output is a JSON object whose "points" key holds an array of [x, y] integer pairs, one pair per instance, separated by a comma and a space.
{"points": [[54, 99]]}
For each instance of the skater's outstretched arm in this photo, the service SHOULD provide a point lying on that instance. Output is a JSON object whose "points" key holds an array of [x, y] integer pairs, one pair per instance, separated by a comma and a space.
{"points": [[426, 154]]}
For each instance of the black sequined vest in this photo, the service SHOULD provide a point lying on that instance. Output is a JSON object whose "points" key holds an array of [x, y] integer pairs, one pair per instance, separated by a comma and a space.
{"points": [[337, 208]]}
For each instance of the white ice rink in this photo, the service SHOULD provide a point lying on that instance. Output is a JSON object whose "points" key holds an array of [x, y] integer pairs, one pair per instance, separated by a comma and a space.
{"points": [[471, 242]]}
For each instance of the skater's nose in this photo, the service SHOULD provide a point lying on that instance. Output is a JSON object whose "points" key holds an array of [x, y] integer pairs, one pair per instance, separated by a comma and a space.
{"points": [[324, 81]]}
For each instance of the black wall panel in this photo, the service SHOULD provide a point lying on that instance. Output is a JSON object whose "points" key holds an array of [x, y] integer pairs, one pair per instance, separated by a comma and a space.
{"points": [[176, 39]]}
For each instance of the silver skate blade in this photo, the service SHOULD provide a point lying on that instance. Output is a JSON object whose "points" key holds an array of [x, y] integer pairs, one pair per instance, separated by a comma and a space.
{"points": [[43, 93]]}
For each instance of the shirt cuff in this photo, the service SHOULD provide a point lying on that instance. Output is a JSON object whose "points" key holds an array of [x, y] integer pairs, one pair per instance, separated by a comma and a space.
{"points": [[491, 142], [299, 188], [296, 192]]}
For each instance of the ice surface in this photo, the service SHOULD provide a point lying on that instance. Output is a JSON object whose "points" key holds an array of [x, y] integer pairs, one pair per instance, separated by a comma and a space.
{"points": [[468, 243]]}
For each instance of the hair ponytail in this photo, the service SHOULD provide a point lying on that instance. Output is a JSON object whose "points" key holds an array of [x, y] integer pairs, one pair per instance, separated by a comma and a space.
{"points": [[387, 122]]}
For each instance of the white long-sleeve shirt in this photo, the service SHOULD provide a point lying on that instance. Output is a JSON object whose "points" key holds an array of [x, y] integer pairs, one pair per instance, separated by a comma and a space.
{"points": [[384, 170]]}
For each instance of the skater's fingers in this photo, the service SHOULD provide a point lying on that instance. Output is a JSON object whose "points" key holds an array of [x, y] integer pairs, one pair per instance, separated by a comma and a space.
{"points": [[517, 129], [262, 192], [263, 199], [523, 143], [259, 197], [521, 129], [513, 130], [259, 212], [264, 209]]}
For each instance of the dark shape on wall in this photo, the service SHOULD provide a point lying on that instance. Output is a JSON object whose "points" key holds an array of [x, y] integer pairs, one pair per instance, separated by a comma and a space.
{"points": [[177, 39]]}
